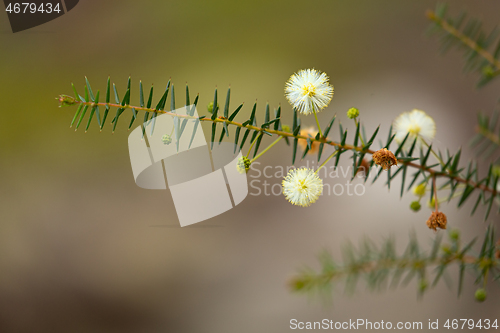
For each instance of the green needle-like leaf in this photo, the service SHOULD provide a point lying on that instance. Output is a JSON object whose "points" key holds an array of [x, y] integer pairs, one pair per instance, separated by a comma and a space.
{"points": [[257, 144], [226, 106], [196, 123], [89, 89], [214, 128], [80, 107], [150, 98], [117, 98], [108, 91], [177, 131], [163, 100], [81, 117], [295, 120], [231, 117], [295, 141], [215, 107], [141, 95], [95, 109], [134, 117], [277, 115], [236, 138], [76, 93], [87, 95], [461, 279], [245, 136], [172, 100]]}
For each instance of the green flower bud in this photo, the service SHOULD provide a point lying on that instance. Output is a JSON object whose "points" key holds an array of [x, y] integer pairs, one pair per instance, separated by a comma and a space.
{"points": [[210, 107], [65, 100], [352, 113], [166, 139], [496, 170], [415, 206], [432, 203], [480, 295], [488, 71], [419, 190], [243, 164], [454, 234], [297, 285], [446, 249], [286, 128]]}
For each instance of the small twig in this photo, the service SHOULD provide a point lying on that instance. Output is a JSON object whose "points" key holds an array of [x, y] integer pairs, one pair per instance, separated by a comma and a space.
{"points": [[436, 202], [489, 135], [464, 39]]}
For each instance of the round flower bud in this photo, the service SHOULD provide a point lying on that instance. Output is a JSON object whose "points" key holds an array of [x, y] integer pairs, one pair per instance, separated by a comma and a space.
{"points": [[454, 234], [66, 100], [495, 170], [210, 107], [286, 128], [296, 284], [415, 206], [419, 190], [480, 295], [352, 113], [488, 71], [166, 139], [432, 203], [446, 249], [243, 164]]}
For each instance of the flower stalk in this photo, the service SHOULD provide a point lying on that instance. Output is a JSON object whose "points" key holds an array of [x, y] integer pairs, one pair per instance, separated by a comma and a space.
{"points": [[265, 150]]}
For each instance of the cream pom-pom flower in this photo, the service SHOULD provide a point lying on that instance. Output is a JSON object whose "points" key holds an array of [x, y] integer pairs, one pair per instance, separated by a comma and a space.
{"points": [[308, 91], [418, 124], [302, 187]]}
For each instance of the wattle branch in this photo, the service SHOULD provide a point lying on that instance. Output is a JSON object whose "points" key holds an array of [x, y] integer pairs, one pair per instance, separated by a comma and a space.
{"points": [[382, 266], [466, 40], [320, 140], [481, 48]]}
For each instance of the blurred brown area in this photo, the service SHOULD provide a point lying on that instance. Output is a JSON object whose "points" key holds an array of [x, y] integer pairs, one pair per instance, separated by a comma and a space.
{"points": [[83, 249]]}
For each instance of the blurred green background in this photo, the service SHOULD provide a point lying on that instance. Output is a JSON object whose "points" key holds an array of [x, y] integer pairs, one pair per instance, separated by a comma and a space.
{"points": [[83, 249]]}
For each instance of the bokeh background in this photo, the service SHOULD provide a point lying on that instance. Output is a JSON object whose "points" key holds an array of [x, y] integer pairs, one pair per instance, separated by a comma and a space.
{"points": [[83, 249]]}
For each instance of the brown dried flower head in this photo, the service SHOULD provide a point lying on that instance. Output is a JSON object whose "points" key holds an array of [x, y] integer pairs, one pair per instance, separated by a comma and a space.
{"points": [[437, 220], [385, 158]]}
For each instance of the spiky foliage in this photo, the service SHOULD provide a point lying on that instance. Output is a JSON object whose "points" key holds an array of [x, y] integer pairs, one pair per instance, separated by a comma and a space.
{"points": [[482, 55], [481, 49], [381, 267], [459, 181], [487, 140]]}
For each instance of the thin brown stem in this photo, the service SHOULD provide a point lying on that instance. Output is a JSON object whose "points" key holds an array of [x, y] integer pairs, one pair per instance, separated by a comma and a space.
{"points": [[464, 39], [369, 267], [436, 203], [489, 135], [433, 173]]}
